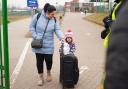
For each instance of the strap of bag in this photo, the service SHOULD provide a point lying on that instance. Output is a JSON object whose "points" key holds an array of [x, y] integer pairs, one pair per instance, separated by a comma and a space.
{"points": [[55, 23], [38, 16], [55, 19], [45, 29]]}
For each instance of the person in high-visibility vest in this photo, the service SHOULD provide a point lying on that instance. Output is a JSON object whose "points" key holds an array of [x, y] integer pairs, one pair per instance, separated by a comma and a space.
{"points": [[112, 17], [117, 52]]}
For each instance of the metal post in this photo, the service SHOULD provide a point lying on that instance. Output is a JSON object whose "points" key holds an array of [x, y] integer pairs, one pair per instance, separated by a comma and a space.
{"points": [[5, 43], [109, 5], [96, 7], [1, 82], [99, 5], [1, 70]]}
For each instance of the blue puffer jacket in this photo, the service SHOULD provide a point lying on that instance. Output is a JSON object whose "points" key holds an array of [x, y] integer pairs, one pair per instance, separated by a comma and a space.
{"points": [[48, 41]]}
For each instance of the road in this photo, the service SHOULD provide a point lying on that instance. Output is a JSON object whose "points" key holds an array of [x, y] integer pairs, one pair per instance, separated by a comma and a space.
{"points": [[90, 53]]}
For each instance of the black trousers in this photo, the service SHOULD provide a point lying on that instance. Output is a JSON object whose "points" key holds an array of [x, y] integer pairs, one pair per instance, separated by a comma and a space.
{"points": [[40, 61]]}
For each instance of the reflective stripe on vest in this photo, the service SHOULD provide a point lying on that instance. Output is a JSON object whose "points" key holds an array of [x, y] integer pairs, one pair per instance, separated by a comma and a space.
{"points": [[114, 11], [106, 40], [113, 19]]}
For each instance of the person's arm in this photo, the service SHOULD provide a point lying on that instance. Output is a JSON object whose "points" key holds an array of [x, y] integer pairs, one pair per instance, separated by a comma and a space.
{"points": [[117, 52], [58, 31], [32, 26]]}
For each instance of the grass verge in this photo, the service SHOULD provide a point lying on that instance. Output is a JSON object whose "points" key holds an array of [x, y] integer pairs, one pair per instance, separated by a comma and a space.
{"points": [[96, 18]]}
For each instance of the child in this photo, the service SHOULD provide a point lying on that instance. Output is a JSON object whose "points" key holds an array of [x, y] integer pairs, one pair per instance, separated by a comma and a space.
{"points": [[69, 41]]}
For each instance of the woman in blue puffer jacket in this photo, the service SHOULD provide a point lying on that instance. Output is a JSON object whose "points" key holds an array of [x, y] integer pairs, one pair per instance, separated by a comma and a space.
{"points": [[37, 28]]}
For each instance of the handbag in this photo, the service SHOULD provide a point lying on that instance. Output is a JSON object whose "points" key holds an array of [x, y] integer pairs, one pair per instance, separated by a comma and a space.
{"points": [[37, 43]]}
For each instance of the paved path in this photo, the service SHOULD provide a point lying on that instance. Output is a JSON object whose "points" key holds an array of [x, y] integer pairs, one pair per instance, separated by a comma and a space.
{"points": [[90, 53]]}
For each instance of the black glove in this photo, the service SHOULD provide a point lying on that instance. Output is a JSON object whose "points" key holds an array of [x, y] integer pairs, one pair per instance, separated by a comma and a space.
{"points": [[104, 33], [117, 1], [107, 21]]}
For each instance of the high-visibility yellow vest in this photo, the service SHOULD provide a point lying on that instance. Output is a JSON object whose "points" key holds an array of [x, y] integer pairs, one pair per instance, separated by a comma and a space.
{"points": [[107, 37], [113, 18]]}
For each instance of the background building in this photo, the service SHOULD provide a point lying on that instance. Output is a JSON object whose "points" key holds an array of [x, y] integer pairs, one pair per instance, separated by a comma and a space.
{"points": [[76, 6]]}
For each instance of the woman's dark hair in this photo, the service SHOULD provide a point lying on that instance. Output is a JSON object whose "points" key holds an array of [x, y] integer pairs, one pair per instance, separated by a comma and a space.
{"points": [[49, 8]]}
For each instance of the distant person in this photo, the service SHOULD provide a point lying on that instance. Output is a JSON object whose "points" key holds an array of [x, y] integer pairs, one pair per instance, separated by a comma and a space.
{"points": [[37, 27], [60, 19], [37, 11]]}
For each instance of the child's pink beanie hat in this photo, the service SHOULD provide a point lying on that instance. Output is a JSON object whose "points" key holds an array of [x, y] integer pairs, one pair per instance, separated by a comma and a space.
{"points": [[69, 33]]}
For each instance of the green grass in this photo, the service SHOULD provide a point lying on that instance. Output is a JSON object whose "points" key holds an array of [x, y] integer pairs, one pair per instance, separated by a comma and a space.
{"points": [[96, 18], [14, 18]]}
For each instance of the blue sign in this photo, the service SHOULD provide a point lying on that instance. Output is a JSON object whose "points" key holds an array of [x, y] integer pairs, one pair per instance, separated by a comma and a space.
{"points": [[32, 3]]}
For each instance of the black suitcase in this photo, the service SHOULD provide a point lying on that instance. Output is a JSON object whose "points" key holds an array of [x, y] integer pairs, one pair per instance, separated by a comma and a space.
{"points": [[69, 71]]}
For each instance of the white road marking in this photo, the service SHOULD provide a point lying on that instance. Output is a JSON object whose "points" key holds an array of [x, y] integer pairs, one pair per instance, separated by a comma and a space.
{"points": [[82, 69], [20, 63]]}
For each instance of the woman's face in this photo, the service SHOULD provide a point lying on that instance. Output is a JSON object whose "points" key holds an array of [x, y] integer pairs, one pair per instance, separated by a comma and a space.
{"points": [[51, 15]]}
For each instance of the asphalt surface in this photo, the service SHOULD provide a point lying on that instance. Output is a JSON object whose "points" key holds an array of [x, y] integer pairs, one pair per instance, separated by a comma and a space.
{"points": [[90, 53]]}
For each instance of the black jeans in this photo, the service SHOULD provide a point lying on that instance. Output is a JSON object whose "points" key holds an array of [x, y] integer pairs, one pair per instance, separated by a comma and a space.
{"points": [[40, 61]]}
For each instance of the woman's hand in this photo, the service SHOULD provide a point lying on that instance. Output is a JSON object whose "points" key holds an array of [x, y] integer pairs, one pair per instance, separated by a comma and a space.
{"points": [[62, 40]]}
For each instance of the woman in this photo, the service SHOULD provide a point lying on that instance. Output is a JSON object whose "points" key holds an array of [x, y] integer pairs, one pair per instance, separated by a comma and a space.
{"points": [[37, 28]]}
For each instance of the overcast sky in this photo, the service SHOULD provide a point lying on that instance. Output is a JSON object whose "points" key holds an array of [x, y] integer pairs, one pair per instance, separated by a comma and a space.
{"points": [[23, 3]]}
